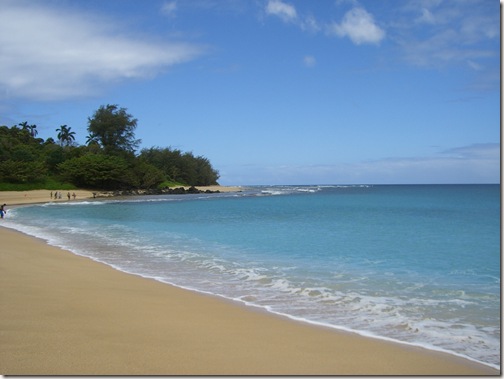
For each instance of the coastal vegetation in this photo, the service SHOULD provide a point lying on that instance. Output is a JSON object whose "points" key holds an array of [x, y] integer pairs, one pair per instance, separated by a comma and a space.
{"points": [[109, 159]]}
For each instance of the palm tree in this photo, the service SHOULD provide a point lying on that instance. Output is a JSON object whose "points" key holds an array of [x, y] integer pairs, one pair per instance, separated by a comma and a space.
{"points": [[29, 128], [91, 139], [65, 136]]}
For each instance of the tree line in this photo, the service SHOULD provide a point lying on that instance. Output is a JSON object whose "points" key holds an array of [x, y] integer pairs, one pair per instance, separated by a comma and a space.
{"points": [[109, 159]]}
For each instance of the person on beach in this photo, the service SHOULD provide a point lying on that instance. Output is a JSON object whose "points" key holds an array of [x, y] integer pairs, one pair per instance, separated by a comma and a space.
{"points": [[2, 210], [73, 195], [68, 195]]}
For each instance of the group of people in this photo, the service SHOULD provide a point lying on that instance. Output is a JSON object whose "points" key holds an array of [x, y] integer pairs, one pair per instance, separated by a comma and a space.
{"points": [[57, 195]]}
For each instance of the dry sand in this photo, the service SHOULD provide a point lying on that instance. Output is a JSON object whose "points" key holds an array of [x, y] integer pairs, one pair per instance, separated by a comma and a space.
{"points": [[61, 314], [219, 188], [39, 196]]}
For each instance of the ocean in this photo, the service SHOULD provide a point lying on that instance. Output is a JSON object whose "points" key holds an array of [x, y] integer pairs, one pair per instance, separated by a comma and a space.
{"points": [[417, 264]]}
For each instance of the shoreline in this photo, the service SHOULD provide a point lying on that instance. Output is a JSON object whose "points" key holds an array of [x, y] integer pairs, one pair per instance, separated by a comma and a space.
{"points": [[98, 320], [13, 198]]}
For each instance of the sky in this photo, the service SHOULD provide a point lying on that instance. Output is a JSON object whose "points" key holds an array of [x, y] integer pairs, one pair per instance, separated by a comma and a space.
{"points": [[270, 91]]}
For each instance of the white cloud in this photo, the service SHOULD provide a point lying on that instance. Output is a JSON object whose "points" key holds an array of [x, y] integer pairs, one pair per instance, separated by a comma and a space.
{"points": [[280, 9], [289, 14], [50, 54], [359, 26]]}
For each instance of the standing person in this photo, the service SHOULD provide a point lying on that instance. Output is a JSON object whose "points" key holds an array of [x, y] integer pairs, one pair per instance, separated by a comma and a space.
{"points": [[2, 210], [73, 195], [68, 195], [51, 194]]}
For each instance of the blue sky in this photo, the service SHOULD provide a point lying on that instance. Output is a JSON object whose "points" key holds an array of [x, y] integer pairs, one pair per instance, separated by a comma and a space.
{"points": [[270, 91]]}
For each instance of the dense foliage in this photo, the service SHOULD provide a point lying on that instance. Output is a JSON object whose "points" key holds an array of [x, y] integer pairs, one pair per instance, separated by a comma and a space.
{"points": [[108, 161]]}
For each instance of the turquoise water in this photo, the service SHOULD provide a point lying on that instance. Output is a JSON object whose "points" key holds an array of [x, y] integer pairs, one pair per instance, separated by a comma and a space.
{"points": [[416, 264]]}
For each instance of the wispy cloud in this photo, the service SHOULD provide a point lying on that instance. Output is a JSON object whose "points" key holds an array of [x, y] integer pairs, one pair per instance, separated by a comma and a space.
{"points": [[309, 61], [478, 163], [426, 17], [448, 33], [285, 11], [358, 25], [310, 24], [217, 6], [428, 34], [169, 8], [289, 14], [441, 49], [476, 151], [59, 54]]}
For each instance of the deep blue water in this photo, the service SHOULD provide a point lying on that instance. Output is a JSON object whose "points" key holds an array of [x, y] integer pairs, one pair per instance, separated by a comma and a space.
{"points": [[417, 264]]}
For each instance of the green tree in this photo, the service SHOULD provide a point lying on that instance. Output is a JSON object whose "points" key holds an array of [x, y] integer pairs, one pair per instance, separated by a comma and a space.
{"points": [[23, 153], [181, 167], [65, 136], [113, 129], [145, 175], [165, 159], [107, 162], [205, 174], [32, 129], [96, 171], [13, 171], [54, 155]]}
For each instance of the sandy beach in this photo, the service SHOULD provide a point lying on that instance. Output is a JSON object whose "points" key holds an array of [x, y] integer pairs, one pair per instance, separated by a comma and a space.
{"points": [[40, 196], [44, 196], [62, 314]]}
